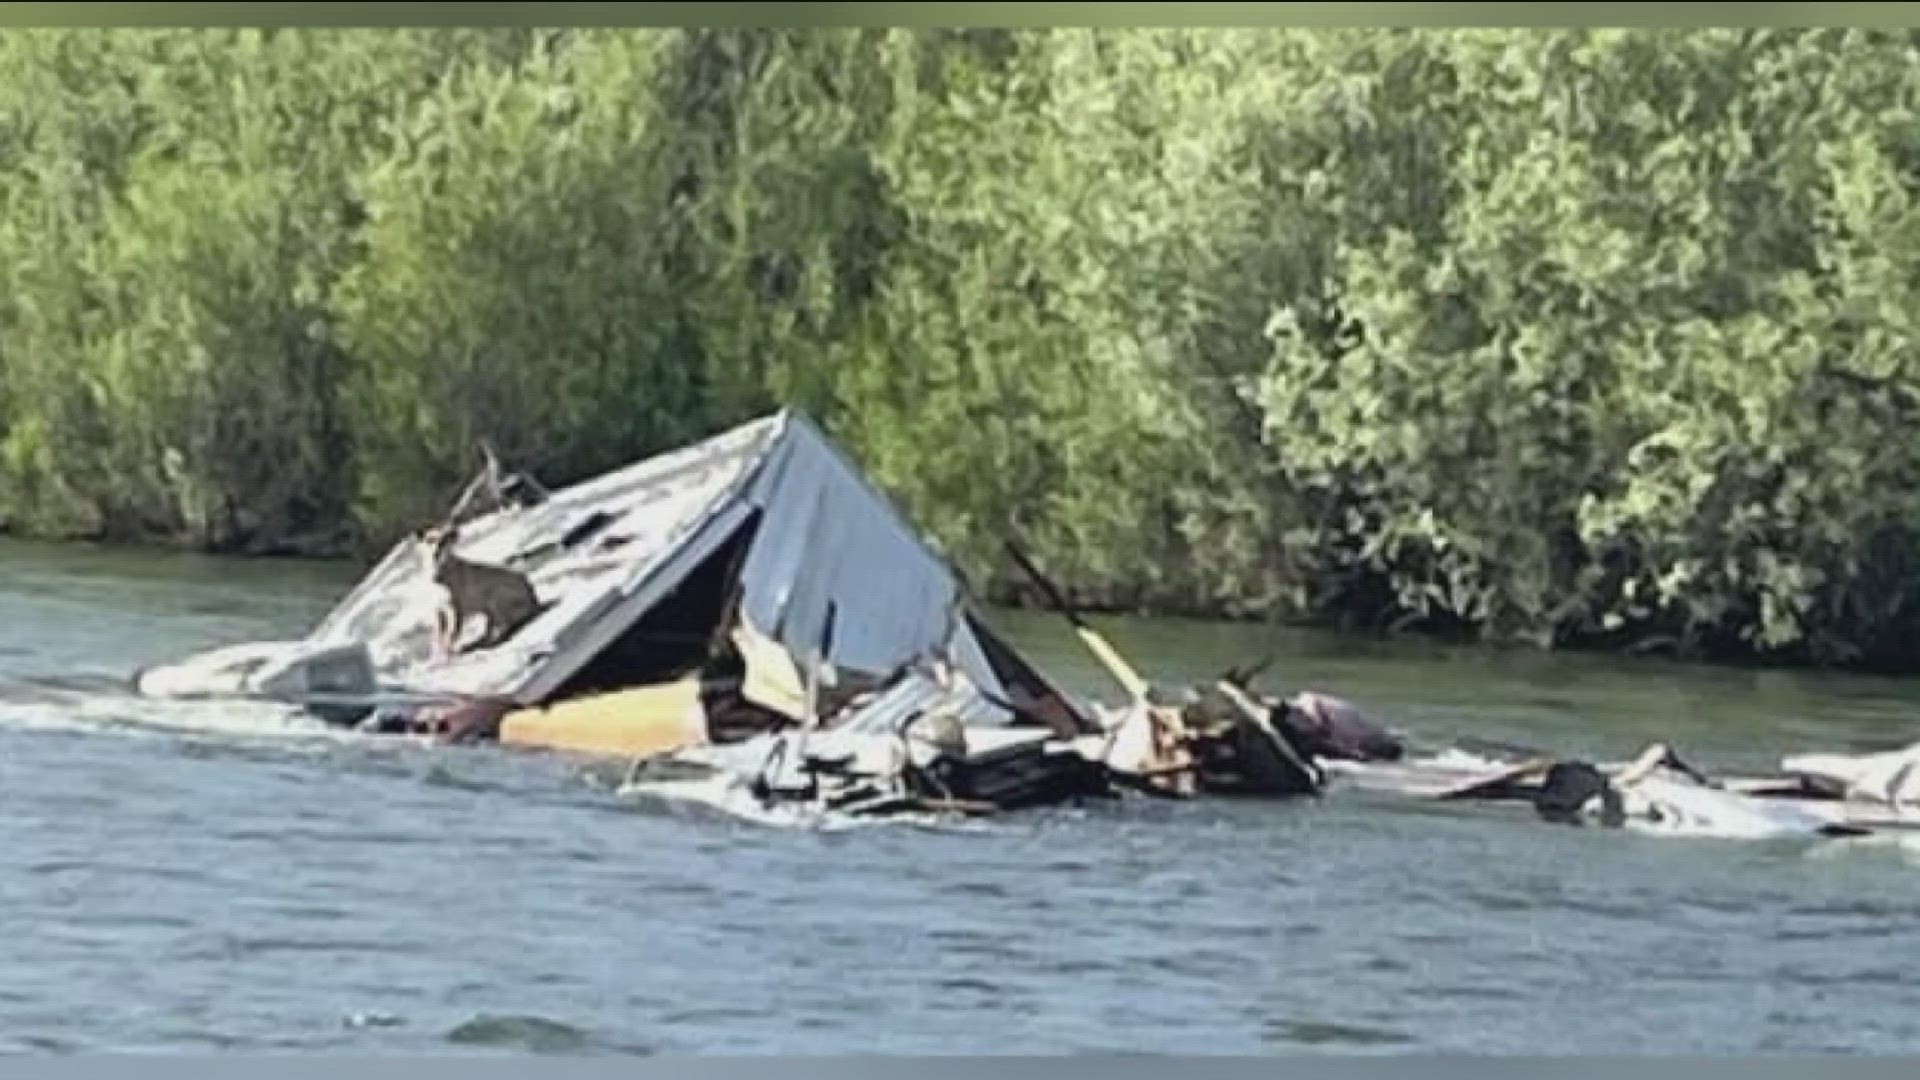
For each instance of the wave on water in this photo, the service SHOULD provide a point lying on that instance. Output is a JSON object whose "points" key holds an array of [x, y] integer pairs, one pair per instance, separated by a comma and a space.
{"points": [[534, 1034], [102, 707], [527, 1032]]}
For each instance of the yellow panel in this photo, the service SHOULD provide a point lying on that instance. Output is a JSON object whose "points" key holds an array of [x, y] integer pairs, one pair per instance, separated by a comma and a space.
{"points": [[625, 723], [773, 680]]}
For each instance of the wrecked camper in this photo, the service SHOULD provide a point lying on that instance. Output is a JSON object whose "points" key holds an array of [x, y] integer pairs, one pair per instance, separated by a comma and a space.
{"points": [[748, 584], [749, 594]]}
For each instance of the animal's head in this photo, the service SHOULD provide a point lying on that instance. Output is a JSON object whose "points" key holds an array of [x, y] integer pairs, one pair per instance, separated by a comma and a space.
{"points": [[439, 542]]}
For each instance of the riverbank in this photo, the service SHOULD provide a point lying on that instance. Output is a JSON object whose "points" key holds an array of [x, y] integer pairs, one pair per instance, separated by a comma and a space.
{"points": [[1581, 337]]}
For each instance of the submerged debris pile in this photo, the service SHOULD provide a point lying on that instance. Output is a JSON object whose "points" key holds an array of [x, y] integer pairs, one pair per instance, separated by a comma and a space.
{"points": [[751, 614]]}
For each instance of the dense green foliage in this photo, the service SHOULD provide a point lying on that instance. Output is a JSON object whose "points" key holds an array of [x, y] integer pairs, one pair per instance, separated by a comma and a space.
{"points": [[1597, 337]]}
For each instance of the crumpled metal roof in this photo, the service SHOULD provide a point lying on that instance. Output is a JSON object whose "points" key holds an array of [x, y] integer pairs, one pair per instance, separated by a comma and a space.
{"points": [[833, 566]]}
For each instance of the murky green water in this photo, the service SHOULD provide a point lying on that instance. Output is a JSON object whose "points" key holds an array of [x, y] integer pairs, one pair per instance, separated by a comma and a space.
{"points": [[199, 877]]}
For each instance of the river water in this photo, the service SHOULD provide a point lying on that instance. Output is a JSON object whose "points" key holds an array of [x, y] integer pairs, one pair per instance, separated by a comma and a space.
{"points": [[201, 877]]}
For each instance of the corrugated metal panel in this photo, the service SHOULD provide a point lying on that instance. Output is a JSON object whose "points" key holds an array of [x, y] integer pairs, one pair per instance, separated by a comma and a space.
{"points": [[830, 541]]}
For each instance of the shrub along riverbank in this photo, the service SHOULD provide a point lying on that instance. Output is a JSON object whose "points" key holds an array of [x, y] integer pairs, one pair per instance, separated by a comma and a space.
{"points": [[1570, 337]]}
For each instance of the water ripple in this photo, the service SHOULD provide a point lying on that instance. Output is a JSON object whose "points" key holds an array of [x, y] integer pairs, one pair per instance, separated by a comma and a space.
{"points": [[1320, 1032], [535, 1034]]}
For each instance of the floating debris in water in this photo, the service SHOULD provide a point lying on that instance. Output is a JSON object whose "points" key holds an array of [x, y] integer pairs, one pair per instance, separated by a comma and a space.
{"points": [[720, 606]]}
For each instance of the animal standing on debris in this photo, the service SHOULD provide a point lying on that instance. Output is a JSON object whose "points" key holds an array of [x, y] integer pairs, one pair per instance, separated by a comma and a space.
{"points": [[503, 597]]}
